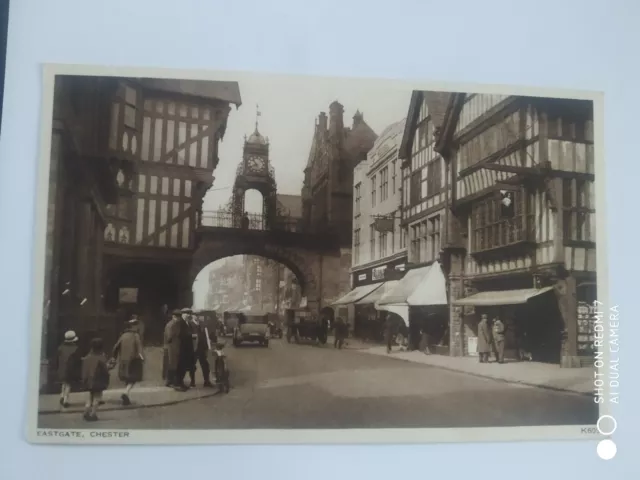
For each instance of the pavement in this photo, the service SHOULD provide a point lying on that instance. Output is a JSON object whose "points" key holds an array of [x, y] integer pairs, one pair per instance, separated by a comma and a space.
{"points": [[150, 392], [542, 375], [306, 386]]}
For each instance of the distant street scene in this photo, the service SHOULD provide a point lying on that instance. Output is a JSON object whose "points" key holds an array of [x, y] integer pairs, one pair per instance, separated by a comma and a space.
{"points": [[300, 254]]}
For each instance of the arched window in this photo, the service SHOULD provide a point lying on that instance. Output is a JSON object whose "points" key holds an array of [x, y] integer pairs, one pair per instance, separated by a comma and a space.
{"points": [[124, 235], [110, 233]]}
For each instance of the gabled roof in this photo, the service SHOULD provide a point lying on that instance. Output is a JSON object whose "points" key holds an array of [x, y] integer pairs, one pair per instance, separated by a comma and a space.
{"points": [[224, 91], [412, 115], [449, 121], [438, 104]]}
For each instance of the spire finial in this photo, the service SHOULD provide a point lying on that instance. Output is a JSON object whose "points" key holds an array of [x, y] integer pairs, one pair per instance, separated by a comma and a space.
{"points": [[257, 115]]}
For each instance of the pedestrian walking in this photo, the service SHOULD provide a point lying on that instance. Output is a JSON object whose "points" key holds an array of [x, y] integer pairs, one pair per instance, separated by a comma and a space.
{"points": [[340, 333], [484, 339], [68, 365], [186, 359], [424, 341], [245, 221], [388, 332], [95, 378], [128, 351], [203, 345], [171, 352], [498, 339]]}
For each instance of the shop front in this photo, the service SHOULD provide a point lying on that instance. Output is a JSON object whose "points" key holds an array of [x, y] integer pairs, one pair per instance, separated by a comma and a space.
{"points": [[359, 304], [534, 328], [419, 300]]}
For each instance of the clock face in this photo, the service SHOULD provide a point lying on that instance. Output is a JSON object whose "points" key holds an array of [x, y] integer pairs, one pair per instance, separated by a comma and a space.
{"points": [[256, 164]]}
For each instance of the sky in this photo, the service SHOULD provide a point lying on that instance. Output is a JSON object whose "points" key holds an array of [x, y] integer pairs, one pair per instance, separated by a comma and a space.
{"points": [[289, 107]]}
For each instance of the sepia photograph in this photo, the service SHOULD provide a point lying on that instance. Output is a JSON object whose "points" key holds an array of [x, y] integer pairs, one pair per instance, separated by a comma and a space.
{"points": [[260, 252]]}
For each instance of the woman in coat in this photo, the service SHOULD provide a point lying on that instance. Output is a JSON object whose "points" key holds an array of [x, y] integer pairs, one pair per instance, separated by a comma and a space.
{"points": [[128, 351], [484, 339]]}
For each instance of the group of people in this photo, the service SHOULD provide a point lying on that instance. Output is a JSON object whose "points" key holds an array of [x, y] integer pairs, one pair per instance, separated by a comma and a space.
{"points": [[490, 338], [92, 370], [187, 342]]}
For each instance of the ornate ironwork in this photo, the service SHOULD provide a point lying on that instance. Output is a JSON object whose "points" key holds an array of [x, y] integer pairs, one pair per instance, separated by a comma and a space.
{"points": [[227, 219]]}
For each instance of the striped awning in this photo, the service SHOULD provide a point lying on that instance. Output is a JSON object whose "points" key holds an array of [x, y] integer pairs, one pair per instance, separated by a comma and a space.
{"points": [[378, 293], [357, 293]]}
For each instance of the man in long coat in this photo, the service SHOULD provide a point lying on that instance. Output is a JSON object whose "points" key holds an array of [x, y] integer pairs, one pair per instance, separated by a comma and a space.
{"points": [[498, 339], [186, 361], [171, 349], [484, 339]]}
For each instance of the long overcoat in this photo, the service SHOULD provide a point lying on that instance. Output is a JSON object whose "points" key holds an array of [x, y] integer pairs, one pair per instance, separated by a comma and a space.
{"points": [[484, 337], [68, 363], [172, 344], [128, 351], [95, 374]]}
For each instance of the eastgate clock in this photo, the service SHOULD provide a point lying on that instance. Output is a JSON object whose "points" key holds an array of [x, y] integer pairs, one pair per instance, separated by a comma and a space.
{"points": [[256, 164]]}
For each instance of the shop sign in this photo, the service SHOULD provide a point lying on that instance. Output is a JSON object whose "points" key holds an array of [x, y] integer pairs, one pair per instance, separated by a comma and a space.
{"points": [[128, 295], [586, 322], [378, 273], [362, 277], [400, 268]]}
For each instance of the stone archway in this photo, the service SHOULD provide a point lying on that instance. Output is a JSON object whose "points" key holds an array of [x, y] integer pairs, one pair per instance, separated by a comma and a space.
{"points": [[303, 265]]}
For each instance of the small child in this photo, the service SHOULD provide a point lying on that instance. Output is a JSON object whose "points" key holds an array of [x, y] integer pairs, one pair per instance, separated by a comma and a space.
{"points": [[95, 377], [68, 362], [221, 368]]}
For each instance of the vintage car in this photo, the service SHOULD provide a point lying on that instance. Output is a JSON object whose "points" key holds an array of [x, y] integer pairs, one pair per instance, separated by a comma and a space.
{"points": [[229, 323], [252, 327], [302, 324]]}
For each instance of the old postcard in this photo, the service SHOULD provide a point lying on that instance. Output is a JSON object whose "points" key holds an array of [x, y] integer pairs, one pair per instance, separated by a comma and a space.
{"points": [[248, 258]]}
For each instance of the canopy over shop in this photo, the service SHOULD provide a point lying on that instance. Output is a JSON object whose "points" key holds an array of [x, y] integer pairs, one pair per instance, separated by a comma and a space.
{"points": [[421, 294], [532, 320]]}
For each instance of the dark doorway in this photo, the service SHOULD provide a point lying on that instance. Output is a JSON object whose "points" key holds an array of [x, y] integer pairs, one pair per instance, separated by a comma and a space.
{"points": [[146, 290]]}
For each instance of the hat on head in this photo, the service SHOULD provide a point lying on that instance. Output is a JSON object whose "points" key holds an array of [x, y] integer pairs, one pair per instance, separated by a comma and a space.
{"points": [[70, 336], [186, 310], [133, 321], [176, 312]]}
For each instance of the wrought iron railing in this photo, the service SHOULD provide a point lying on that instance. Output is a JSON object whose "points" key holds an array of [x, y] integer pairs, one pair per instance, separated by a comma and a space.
{"points": [[226, 219]]}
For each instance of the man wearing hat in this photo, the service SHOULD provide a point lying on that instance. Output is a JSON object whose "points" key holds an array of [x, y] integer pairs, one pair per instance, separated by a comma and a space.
{"points": [[171, 349], [68, 365], [186, 362]]}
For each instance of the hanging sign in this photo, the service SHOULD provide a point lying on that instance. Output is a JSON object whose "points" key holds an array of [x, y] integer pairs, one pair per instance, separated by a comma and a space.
{"points": [[384, 224]]}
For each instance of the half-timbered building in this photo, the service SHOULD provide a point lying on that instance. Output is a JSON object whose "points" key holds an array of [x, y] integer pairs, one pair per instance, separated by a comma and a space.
{"points": [[422, 220], [520, 243], [138, 157]]}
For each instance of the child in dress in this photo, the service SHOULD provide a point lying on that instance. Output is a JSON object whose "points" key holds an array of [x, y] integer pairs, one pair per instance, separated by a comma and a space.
{"points": [[95, 377], [68, 363]]}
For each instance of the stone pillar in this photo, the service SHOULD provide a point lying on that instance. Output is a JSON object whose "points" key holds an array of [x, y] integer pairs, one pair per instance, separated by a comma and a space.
{"points": [[457, 342], [565, 290]]}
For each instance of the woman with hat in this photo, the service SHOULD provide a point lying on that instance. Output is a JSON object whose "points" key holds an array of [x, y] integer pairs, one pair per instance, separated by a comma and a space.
{"points": [[68, 365], [128, 351]]}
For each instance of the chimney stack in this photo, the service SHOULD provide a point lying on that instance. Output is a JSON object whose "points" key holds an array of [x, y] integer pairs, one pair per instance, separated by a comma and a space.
{"points": [[322, 122]]}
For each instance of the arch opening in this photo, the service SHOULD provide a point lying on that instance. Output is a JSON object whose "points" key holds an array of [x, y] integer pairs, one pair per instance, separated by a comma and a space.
{"points": [[252, 283]]}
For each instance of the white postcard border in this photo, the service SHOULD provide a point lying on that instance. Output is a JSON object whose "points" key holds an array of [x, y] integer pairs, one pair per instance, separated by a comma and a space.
{"points": [[292, 436]]}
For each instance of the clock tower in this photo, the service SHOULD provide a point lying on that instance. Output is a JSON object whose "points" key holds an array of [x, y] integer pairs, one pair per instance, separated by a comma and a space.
{"points": [[255, 173]]}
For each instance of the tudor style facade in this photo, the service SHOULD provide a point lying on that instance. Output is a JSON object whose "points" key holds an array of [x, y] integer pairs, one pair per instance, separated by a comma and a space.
{"points": [[531, 263]]}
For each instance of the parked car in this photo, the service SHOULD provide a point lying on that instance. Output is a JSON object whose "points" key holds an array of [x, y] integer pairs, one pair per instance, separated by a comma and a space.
{"points": [[252, 328]]}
